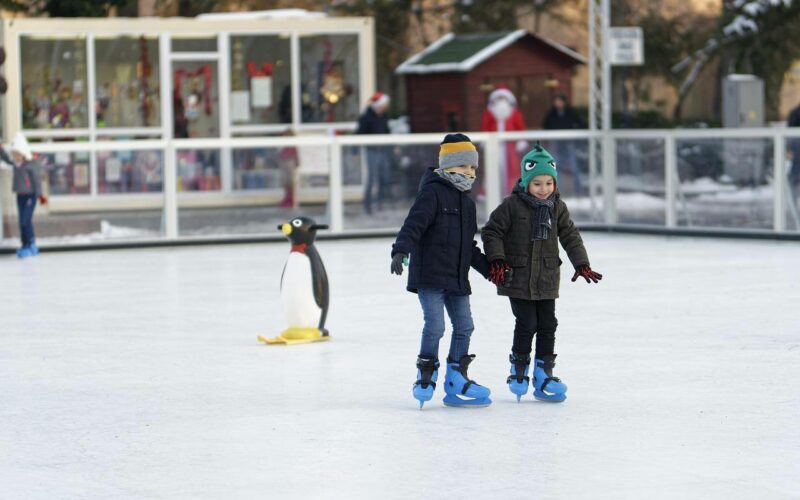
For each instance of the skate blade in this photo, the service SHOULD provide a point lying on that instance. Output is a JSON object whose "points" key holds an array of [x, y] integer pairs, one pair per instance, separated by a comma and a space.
{"points": [[456, 402], [284, 341], [548, 398]]}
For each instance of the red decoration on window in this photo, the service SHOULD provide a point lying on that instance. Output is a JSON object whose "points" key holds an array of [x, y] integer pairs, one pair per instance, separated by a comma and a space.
{"points": [[253, 70]]}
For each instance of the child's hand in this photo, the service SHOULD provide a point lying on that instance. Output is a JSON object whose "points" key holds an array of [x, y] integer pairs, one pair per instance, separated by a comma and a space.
{"points": [[398, 260], [587, 274], [43, 199], [499, 272]]}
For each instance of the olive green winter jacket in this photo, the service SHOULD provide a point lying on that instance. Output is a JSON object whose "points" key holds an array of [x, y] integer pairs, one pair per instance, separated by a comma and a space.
{"points": [[536, 264]]}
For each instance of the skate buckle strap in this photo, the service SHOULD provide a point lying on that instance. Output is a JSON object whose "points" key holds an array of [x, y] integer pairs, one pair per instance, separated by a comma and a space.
{"points": [[517, 378], [547, 381], [425, 384]]}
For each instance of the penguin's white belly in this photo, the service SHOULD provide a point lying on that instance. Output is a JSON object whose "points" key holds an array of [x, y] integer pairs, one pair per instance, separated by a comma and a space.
{"points": [[297, 293]]}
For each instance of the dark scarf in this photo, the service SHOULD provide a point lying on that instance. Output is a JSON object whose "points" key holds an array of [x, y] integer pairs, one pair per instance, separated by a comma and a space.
{"points": [[543, 215]]}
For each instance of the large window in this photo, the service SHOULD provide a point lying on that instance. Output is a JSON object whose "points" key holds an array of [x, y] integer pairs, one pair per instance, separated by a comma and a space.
{"points": [[127, 82], [329, 78], [53, 75], [260, 80]]}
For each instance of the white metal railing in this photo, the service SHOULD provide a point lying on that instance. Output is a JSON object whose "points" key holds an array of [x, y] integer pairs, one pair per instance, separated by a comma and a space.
{"points": [[604, 176]]}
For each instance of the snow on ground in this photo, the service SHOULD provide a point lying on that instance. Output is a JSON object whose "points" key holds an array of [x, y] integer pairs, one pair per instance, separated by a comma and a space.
{"points": [[136, 374]]}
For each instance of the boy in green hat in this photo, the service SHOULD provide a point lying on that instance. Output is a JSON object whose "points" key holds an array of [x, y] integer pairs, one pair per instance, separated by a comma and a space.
{"points": [[521, 242]]}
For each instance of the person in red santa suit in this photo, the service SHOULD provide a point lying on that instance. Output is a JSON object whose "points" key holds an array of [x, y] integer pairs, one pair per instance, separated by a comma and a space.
{"points": [[503, 115]]}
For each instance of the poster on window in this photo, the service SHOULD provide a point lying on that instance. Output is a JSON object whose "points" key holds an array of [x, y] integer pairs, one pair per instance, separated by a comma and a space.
{"points": [[80, 175], [261, 88], [240, 106], [113, 170]]}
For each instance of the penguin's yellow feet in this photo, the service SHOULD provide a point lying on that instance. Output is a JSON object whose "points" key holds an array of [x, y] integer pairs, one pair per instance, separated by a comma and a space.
{"points": [[297, 336]]}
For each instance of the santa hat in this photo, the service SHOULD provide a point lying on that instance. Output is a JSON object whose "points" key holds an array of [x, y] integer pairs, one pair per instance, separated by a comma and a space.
{"points": [[21, 146], [502, 91], [378, 100]]}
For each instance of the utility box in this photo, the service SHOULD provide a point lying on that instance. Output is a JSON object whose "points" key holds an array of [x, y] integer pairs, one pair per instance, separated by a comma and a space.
{"points": [[743, 106], [742, 101]]}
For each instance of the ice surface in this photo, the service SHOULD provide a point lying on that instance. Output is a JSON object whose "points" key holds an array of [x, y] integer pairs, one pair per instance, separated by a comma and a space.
{"points": [[137, 374]]}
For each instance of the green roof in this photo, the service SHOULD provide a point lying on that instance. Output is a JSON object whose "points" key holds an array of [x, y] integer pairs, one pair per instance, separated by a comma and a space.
{"points": [[461, 47]]}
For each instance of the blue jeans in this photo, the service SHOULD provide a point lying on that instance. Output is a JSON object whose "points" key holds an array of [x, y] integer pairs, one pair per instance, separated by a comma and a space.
{"points": [[434, 301], [378, 173], [26, 204]]}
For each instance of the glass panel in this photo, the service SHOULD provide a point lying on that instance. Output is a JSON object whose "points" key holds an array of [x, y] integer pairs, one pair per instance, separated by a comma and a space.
{"points": [[260, 80], [266, 193], [53, 82], [199, 44], [329, 78], [640, 181], [130, 171], [266, 168], [195, 99], [725, 183], [380, 183], [127, 80], [198, 170], [67, 173]]}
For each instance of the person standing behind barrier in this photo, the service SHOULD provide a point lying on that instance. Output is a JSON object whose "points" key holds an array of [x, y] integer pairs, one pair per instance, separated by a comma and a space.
{"points": [[375, 120], [27, 185], [794, 147], [561, 116]]}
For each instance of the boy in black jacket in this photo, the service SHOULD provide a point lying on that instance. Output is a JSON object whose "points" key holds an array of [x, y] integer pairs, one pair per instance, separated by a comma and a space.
{"points": [[438, 234]]}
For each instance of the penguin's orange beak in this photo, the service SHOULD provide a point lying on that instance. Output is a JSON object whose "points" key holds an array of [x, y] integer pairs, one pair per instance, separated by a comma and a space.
{"points": [[286, 228]]}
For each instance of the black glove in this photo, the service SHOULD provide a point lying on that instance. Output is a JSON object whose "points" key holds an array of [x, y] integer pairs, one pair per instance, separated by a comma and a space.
{"points": [[397, 263]]}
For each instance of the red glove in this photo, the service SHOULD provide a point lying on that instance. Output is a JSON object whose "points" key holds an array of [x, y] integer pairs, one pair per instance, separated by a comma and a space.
{"points": [[587, 274], [43, 199], [499, 272]]}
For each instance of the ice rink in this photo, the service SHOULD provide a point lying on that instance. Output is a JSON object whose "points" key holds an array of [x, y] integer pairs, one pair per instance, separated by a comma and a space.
{"points": [[137, 374]]}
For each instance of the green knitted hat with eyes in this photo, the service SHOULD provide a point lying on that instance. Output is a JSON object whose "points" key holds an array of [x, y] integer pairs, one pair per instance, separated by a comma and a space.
{"points": [[538, 161]]}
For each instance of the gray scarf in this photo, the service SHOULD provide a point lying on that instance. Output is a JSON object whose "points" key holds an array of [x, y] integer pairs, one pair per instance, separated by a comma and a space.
{"points": [[459, 181], [543, 214]]}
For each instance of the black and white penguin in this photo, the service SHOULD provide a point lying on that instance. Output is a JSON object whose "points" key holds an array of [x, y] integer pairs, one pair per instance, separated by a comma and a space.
{"points": [[304, 286]]}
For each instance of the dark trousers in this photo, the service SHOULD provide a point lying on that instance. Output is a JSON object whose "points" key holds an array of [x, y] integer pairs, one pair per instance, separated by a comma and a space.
{"points": [[534, 317], [26, 204], [378, 172]]}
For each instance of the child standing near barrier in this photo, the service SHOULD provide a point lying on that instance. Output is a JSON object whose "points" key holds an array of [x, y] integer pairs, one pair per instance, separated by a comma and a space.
{"points": [[27, 185], [521, 242], [438, 236]]}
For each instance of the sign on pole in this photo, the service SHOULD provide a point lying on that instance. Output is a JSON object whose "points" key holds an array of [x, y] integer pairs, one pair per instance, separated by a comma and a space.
{"points": [[626, 46]]}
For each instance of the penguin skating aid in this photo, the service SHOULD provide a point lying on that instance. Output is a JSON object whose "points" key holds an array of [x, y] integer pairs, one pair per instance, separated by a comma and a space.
{"points": [[304, 287]]}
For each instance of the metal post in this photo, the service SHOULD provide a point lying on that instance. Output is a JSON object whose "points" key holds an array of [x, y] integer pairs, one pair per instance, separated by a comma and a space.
{"points": [[670, 181], [224, 77], [609, 179], [335, 199], [491, 175], [779, 181], [170, 193]]}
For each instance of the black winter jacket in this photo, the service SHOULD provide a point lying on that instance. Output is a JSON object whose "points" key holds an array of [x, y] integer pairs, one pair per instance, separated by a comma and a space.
{"points": [[439, 237]]}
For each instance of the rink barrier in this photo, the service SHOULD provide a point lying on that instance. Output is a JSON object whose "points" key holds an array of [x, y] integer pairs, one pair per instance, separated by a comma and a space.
{"points": [[627, 229], [605, 219]]}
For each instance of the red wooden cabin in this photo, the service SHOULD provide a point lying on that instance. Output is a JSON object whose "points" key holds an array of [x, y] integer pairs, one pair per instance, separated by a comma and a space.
{"points": [[448, 83]]}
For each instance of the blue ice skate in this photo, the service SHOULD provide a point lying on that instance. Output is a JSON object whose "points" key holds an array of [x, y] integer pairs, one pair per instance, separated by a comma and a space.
{"points": [[34, 249], [546, 387], [460, 390], [518, 380], [24, 252], [427, 373]]}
